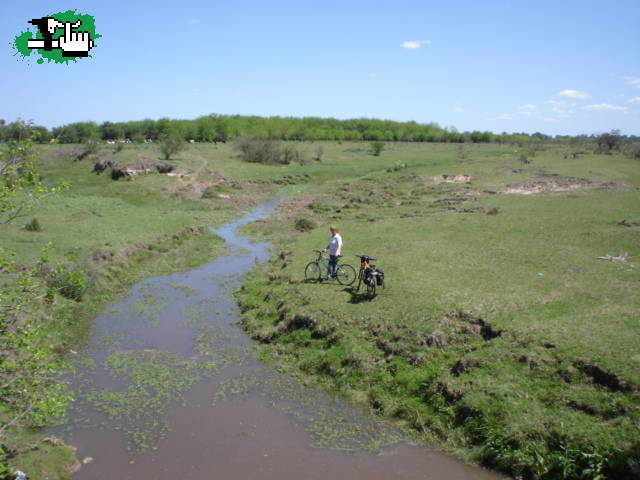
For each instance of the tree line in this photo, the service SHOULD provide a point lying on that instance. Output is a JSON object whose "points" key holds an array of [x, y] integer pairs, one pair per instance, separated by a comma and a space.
{"points": [[220, 128]]}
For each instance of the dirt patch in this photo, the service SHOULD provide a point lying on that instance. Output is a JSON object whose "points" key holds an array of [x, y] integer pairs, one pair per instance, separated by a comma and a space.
{"points": [[558, 183], [446, 178], [601, 376]]}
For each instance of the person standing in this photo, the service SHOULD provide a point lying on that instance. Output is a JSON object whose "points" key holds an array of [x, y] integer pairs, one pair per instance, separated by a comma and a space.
{"points": [[335, 250]]}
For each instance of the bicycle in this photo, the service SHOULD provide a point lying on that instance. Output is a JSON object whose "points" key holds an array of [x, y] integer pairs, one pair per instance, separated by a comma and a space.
{"points": [[345, 273], [369, 275]]}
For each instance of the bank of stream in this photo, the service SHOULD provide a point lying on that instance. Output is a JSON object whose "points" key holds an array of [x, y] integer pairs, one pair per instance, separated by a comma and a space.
{"points": [[168, 387]]}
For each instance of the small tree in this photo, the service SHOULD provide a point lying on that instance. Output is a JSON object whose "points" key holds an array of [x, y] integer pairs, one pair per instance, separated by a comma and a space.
{"points": [[91, 147], [170, 145], [319, 154], [21, 188], [377, 148], [609, 142]]}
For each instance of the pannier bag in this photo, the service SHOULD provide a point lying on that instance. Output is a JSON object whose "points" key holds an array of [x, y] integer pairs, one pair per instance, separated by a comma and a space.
{"points": [[379, 277]]}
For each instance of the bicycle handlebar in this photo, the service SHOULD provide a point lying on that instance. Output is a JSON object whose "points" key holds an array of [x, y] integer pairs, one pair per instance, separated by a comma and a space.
{"points": [[322, 251]]}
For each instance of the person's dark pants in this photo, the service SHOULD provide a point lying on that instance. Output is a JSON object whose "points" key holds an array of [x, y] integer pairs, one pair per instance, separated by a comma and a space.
{"points": [[333, 265]]}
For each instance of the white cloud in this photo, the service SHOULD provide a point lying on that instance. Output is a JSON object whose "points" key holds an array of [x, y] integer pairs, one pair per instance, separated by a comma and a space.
{"points": [[458, 109], [528, 113], [559, 107], [549, 119], [195, 89], [604, 106], [573, 94], [634, 100], [373, 74], [413, 44], [528, 106], [193, 21], [633, 81], [505, 116]]}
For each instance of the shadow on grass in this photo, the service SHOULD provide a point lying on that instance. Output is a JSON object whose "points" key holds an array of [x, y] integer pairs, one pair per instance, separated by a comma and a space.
{"points": [[358, 296]]}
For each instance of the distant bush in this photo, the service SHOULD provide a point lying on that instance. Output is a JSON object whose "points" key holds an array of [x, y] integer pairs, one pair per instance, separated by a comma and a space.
{"points": [[397, 167], [304, 224], [319, 207], [377, 148], [68, 282], [609, 142], [91, 147], [33, 226], [524, 158], [165, 168], [267, 151], [118, 173], [319, 153], [119, 148], [632, 150], [170, 145], [494, 211]]}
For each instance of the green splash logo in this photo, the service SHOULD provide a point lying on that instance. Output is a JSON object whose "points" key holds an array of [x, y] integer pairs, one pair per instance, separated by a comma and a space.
{"points": [[60, 37]]}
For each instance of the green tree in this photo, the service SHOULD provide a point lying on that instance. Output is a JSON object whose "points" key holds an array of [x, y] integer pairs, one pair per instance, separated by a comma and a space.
{"points": [[377, 148], [170, 145], [21, 188]]}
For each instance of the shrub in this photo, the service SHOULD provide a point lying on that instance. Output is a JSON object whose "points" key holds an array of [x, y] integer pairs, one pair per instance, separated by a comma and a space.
{"points": [[68, 282], [170, 145], [165, 168], [632, 150], [259, 150], [118, 173], [319, 207], [494, 211], [91, 147], [304, 224], [524, 159], [119, 148], [319, 153], [397, 167], [290, 154], [377, 148], [210, 192], [33, 226]]}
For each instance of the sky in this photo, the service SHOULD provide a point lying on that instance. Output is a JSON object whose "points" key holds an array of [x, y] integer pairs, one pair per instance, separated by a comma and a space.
{"points": [[557, 67]]}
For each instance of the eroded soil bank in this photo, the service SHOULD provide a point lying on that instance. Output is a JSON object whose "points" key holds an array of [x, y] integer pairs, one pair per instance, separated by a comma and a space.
{"points": [[169, 387]]}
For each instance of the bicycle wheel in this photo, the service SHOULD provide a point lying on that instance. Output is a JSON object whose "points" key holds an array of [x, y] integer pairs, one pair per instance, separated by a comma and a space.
{"points": [[371, 287], [346, 274], [312, 272]]}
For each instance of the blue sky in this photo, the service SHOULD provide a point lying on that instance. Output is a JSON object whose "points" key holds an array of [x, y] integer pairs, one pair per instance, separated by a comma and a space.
{"points": [[559, 67]]}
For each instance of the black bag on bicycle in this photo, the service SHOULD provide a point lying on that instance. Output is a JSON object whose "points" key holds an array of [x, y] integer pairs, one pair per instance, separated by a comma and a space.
{"points": [[368, 276], [379, 277]]}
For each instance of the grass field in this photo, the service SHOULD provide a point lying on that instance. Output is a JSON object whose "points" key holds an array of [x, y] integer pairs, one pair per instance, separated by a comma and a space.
{"points": [[500, 332]]}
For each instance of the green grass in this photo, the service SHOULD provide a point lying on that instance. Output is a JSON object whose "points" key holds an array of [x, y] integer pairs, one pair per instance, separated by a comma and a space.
{"points": [[554, 395]]}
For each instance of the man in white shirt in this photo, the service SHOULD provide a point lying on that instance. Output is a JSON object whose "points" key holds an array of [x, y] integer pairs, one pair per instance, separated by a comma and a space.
{"points": [[335, 250]]}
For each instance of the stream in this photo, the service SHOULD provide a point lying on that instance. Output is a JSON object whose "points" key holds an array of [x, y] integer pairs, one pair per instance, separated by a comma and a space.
{"points": [[169, 387]]}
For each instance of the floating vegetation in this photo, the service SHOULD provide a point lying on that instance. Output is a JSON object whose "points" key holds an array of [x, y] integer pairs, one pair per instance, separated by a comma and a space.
{"points": [[329, 423], [149, 306], [188, 291], [153, 380]]}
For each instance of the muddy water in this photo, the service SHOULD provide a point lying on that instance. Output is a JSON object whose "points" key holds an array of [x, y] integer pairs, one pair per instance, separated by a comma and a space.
{"points": [[168, 387]]}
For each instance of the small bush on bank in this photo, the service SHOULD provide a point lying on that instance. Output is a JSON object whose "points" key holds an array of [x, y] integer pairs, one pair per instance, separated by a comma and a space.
{"points": [[71, 282], [170, 145], [165, 168], [304, 224], [377, 148], [33, 226], [267, 151], [91, 147]]}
